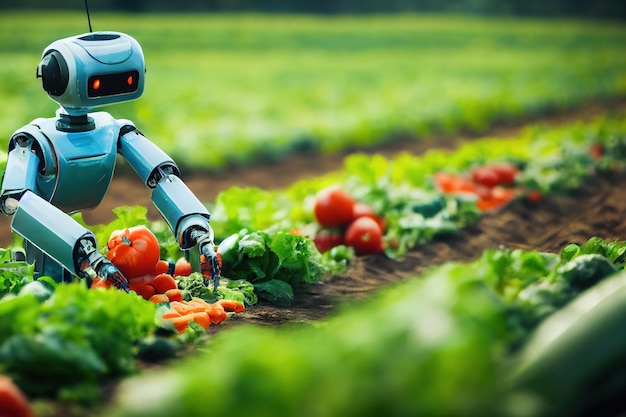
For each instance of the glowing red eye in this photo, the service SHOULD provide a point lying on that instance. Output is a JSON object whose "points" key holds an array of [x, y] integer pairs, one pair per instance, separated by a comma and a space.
{"points": [[130, 80], [96, 84]]}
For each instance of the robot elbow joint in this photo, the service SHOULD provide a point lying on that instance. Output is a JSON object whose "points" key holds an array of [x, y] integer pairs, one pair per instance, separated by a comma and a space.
{"points": [[160, 173]]}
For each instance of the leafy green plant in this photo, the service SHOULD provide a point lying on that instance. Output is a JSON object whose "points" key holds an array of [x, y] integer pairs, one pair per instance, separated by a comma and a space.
{"points": [[439, 344], [74, 338]]}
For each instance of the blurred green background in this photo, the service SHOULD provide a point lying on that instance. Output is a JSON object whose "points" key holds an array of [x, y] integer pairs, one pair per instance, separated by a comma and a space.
{"points": [[226, 87]]}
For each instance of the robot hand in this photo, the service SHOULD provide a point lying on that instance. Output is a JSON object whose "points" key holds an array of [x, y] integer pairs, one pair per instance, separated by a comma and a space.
{"points": [[110, 272], [209, 259], [210, 265], [93, 263]]}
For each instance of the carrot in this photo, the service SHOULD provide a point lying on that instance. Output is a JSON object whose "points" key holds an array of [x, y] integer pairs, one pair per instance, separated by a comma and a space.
{"points": [[144, 290], [198, 304], [202, 319], [182, 308], [231, 305], [174, 294], [217, 314], [170, 314], [181, 323], [159, 298], [164, 282]]}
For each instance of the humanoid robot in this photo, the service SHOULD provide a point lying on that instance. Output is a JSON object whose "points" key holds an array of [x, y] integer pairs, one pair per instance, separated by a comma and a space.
{"points": [[57, 166]]}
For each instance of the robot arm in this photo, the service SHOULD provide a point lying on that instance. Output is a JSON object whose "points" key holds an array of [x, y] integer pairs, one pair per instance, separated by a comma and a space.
{"points": [[186, 216], [20, 173], [59, 240]]}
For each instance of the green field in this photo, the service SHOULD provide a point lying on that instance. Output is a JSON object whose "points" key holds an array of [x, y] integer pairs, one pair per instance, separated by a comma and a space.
{"points": [[228, 89]]}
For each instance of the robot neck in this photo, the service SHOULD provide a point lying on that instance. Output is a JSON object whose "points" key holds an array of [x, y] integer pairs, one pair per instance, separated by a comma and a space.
{"points": [[80, 122]]}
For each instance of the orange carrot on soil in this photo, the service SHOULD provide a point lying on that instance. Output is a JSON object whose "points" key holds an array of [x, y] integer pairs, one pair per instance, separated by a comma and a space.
{"points": [[231, 305]]}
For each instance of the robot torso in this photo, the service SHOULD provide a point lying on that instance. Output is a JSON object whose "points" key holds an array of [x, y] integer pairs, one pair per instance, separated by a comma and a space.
{"points": [[77, 167]]}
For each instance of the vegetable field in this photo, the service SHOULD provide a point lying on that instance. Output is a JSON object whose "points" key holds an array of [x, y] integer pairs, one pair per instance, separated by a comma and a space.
{"points": [[225, 90], [414, 215]]}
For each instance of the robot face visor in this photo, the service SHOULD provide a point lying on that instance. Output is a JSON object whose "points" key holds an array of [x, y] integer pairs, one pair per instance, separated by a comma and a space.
{"points": [[112, 84], [87, 71]]}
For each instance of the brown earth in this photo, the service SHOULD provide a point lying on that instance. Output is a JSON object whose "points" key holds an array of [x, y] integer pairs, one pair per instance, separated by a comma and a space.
{"points": [[599, 209]]}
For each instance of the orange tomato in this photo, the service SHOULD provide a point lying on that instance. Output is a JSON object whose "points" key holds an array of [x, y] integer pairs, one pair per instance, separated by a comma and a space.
{"points": [[182, 268], [450, 183]]}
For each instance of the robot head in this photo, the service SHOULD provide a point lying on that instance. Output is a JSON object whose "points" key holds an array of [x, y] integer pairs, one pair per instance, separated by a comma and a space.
{"points": [[91, 70]]}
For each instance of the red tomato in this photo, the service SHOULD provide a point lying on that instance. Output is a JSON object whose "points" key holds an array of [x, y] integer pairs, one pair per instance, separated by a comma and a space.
{"points": [[13, 403], [363, 210], [327, 239], [333, 207], [365, 236], [597, 151], [534, 196], [506, 172], [485, 176], [182, 268], [134, 251]]}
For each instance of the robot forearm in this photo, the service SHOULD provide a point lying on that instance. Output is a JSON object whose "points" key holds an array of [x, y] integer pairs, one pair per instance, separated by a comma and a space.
{"points": [[176, 203], [61, 238], [186, 216]]}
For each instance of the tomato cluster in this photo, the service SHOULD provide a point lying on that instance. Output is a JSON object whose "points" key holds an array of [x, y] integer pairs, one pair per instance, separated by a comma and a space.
{"points": [[493, 184], [346, 221], [136, 253]]}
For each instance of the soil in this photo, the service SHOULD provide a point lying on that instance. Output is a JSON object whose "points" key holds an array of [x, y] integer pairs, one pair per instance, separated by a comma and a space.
{"points": [[599, 209]]}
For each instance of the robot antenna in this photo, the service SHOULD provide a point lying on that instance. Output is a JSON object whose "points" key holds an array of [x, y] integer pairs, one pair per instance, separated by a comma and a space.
{"points": [[88, 18]]}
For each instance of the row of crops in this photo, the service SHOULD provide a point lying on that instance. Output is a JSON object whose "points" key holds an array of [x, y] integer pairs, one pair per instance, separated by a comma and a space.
{"points": [[463, 339], [471, 339], [228, 89]]}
